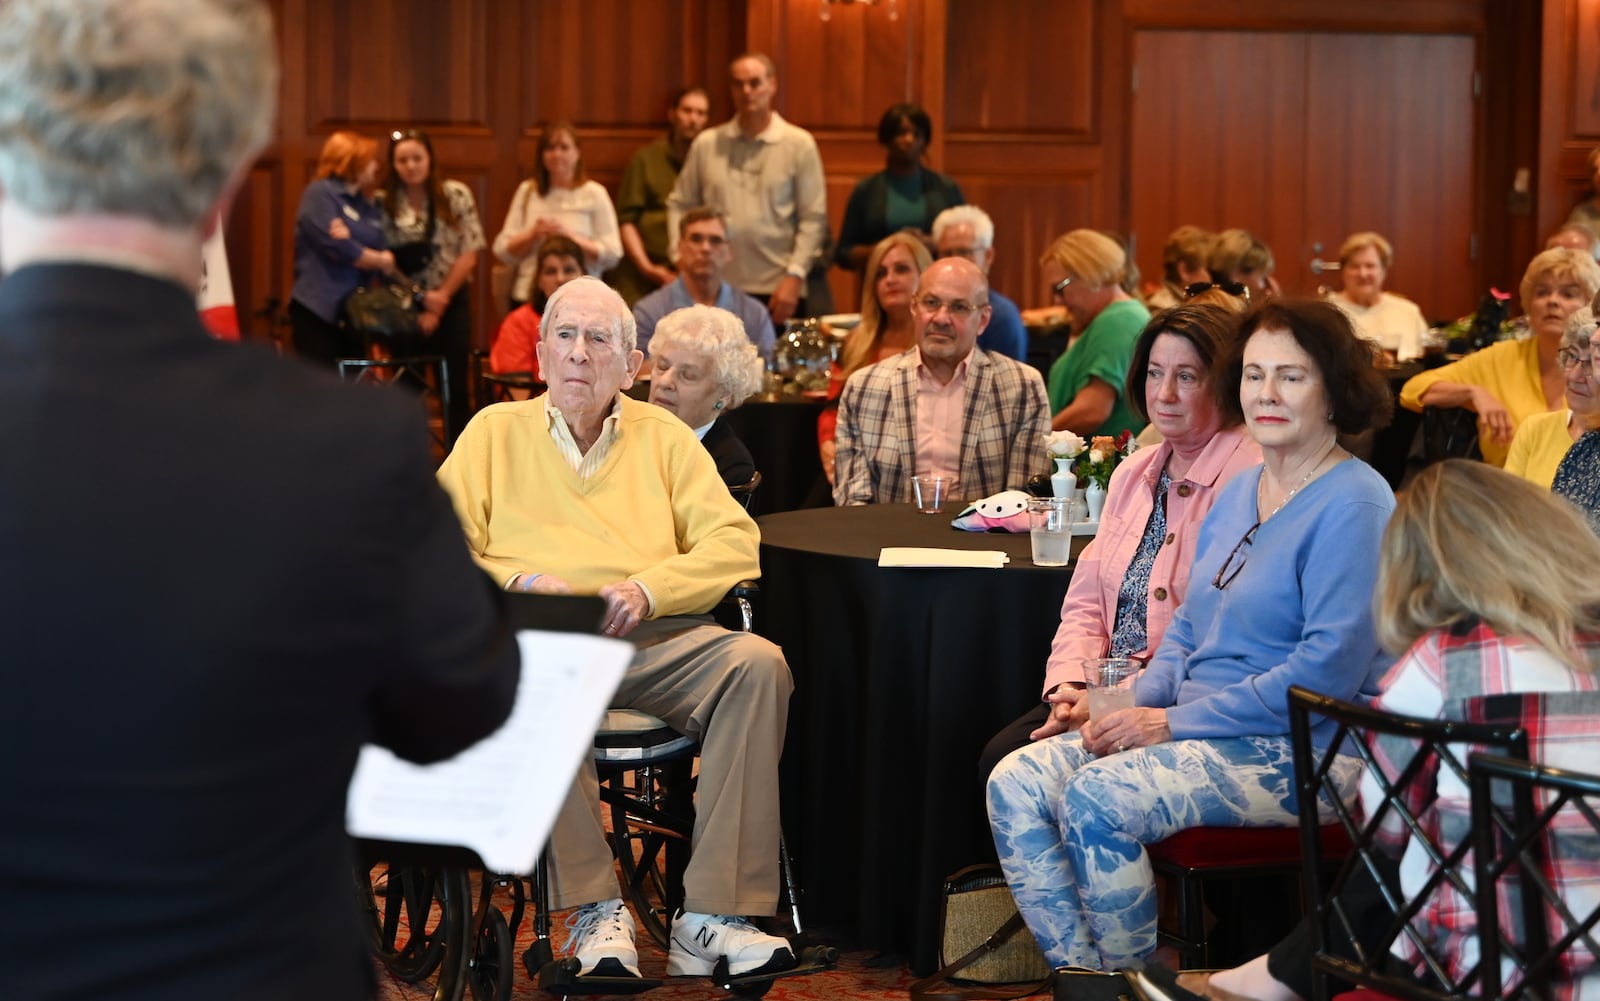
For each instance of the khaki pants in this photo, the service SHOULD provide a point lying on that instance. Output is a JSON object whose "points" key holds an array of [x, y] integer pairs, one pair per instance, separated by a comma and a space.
{"points": [[730, 692]]}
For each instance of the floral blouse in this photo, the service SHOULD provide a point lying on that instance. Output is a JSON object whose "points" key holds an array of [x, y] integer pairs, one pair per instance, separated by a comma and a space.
{"points": [[1133, 599], [450, 240]]}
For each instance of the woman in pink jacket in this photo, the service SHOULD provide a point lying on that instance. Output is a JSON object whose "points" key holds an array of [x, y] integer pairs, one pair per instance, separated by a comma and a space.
{"points": [[1131, 578]]}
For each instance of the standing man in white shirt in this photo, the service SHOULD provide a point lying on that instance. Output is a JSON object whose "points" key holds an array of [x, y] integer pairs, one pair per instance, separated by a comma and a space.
{"points": [[765, 175]]}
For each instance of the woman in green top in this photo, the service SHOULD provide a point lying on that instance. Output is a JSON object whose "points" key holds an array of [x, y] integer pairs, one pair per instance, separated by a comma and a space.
{"points": [[1085, 270]]}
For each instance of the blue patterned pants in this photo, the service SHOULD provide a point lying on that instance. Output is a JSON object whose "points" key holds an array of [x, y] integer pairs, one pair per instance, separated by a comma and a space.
{"points": [[1071, 829]]}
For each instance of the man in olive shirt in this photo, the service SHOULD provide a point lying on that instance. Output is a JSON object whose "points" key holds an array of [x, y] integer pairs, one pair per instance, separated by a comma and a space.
{"points": [[642, 198]]}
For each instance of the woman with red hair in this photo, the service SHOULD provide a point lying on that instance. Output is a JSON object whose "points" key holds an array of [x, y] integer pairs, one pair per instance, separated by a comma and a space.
{"points": [[338, 244]]}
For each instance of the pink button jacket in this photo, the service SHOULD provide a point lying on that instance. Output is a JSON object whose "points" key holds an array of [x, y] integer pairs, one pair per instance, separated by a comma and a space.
{"points": [[1090, 609]]}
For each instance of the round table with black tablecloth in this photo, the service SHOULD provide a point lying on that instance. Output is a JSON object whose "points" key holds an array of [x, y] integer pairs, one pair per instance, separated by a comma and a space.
{"points": [[901, 676], [782, 438]]}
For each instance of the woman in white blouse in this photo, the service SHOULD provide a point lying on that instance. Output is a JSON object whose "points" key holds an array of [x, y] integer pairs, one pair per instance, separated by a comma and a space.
{"points": [[558, 200], [1393, 321]]}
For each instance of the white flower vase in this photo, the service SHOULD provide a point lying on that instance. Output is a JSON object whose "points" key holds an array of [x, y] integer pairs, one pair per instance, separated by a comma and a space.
{"points": [[1063, 482], [1094, 496]]}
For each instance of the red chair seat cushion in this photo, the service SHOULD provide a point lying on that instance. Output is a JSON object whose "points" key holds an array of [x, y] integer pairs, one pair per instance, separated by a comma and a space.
{"points": [[1227, 847]]}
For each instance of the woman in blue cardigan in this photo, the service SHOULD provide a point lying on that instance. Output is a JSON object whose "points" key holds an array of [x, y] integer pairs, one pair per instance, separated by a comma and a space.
{"points": [[1280, 594]]}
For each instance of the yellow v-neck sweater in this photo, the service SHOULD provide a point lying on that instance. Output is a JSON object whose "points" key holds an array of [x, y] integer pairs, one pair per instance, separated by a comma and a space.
{"points": [[655, 511]]}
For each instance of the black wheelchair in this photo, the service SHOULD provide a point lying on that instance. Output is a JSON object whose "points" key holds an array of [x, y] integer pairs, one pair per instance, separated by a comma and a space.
{"points": [[433, 913]]}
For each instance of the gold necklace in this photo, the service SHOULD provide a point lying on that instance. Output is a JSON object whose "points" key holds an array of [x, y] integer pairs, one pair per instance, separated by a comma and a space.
{"points": [[1303, 481]]}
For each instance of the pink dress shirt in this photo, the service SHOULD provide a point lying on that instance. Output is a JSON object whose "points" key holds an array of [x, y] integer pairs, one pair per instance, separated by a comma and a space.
{"points": [[1090, 609], [939, 425]]}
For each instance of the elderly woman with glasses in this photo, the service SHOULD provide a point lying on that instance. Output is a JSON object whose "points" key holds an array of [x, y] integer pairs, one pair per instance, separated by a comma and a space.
{"points": [[1280, 594], [1085, 271], [1543, 440], [1508, 382], [706, 366]]}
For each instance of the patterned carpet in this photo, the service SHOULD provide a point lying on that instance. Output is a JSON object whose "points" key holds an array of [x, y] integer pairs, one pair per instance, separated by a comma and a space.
{"points": [[858, 975]]}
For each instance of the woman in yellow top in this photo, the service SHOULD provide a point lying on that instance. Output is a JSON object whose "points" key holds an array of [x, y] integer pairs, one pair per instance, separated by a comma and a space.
{"points": [[1508, 382], [1542, 441]]}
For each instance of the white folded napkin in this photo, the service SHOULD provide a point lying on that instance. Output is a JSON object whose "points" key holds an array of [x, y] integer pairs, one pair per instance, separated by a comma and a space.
{"points": [[917, 556]]}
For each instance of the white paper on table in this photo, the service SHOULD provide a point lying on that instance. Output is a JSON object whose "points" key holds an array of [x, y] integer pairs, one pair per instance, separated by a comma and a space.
{"points": [[500, 796], [1085, 527], [917, 556]]}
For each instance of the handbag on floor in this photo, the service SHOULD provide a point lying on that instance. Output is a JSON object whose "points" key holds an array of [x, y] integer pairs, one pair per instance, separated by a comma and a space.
{"points": [[983, 942]]}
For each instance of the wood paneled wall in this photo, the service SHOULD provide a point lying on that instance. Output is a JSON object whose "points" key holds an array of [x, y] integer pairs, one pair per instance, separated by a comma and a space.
{"points": [[1569, 120], [1030, 100]]}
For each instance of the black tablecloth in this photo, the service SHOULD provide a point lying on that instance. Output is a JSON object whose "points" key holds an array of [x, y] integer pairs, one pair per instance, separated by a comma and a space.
{"points": [[782, 438], [901, 677]]}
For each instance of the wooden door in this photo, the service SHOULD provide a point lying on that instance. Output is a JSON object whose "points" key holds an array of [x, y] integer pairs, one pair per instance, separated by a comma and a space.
{"points": [[1303, 138]]}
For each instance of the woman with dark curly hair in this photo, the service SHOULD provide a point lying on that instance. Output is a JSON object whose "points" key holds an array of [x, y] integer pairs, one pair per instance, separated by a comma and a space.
{"points": [[1280, 594]]}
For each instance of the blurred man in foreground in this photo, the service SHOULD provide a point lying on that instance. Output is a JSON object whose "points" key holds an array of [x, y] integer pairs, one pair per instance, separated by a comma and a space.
{"points": [[223, 572]]}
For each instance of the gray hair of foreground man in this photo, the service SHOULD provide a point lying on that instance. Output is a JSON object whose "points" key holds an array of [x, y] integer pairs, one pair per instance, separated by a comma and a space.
{"points": [[141, 108], [594, 286]]}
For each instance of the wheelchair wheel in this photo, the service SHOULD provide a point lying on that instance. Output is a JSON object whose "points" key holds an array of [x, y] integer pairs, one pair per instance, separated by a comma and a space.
{"points": [[651, 846], [491, 967], [418, 921]]}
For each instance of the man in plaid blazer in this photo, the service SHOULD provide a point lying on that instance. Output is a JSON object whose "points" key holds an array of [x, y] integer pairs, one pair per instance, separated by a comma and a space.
{"points": [[944, 407]]}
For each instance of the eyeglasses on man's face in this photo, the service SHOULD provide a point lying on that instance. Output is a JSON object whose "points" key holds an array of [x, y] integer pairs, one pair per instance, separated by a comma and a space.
{"points": [[1569, 357], [1237, 289], [960, 309], [1061, 286]]}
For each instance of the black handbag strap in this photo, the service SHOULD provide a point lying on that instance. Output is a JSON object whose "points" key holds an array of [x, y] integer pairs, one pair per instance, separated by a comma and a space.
{"points": [[923, 990]]}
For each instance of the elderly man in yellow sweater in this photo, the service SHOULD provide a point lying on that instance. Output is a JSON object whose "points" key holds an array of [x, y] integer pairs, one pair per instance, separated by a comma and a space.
{"points": [[584, 490]]}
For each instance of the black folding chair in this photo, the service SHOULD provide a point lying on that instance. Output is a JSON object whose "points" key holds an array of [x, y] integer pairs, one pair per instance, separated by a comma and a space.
{"points": [[1533, 825], [1360, 912]]}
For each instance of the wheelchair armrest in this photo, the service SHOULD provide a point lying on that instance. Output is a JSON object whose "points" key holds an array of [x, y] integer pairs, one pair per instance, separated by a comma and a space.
{"points": [[736, 611]]}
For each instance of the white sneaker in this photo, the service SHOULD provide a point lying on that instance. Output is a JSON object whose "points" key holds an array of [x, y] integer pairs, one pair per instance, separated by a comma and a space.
{"points": [[699, 940], [602, 939]]}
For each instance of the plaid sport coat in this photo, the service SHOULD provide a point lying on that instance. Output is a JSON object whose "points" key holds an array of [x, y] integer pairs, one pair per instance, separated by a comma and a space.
{"points": [[1003, 425]]}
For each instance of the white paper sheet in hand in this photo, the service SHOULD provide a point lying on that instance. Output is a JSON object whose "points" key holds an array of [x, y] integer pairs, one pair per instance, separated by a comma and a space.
{"points": [[918, 556], [500, 796]]}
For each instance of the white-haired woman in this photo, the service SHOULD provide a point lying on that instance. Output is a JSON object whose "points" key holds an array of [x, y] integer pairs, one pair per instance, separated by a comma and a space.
{"points": [[705, 366], [1543, 440]]}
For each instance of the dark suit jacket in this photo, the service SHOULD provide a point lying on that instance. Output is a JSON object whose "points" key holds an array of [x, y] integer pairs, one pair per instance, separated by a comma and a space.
{"points": [[222, 573], [734, 463]]}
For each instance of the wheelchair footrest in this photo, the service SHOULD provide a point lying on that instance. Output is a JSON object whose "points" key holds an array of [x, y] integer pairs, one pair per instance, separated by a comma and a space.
{"points": [[812, 959], [561, 978]]}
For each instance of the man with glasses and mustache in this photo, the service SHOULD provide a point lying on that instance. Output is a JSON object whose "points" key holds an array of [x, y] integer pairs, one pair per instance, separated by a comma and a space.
{"points": [[945, 407], [967, 231], [705, 246]]}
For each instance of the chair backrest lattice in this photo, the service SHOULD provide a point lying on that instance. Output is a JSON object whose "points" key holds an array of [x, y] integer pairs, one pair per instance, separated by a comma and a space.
{"points": [[1362, 903], [1536, 832]]}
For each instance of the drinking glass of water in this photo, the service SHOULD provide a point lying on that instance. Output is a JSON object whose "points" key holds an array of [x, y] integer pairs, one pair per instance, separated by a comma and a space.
{"points": [[1110, 684]]}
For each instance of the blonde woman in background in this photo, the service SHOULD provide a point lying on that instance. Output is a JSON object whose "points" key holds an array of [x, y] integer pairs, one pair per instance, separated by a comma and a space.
{"points": [[1508, 382], [1543, 440], [1183, 263], [1085, 271], [886, 327], [1393, 321]]}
